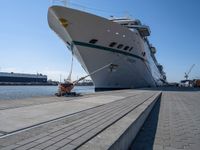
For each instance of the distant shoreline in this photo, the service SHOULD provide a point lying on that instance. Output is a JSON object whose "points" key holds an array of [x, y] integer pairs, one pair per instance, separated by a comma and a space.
{"points": [[41, 84], [28, 84]]}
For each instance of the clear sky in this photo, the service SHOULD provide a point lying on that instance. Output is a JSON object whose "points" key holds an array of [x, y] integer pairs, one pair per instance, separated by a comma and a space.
{"points": [[28, 45]]}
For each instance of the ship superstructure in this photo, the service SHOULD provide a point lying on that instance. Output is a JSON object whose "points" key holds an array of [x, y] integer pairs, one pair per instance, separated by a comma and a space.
{"points": [[96, 42]]}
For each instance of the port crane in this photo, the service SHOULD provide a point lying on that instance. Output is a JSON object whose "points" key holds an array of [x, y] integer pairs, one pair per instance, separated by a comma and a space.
{"points": [[187, 74]]}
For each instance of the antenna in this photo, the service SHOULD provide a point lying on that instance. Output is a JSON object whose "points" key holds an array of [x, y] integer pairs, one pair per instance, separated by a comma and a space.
{"points": [[64, 2], [127, 15]]}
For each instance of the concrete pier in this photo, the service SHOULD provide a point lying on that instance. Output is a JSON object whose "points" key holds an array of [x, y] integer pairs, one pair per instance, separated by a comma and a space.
{"points": [[103, 120], [174, 123]]}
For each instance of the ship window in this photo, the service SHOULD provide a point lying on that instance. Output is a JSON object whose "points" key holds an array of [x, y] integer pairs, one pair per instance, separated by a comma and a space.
{"points": [[124, 24], [126, 47], [143, 53], [112, 44], [130, 49], [120, 46], [93, 41], [68, 43]]}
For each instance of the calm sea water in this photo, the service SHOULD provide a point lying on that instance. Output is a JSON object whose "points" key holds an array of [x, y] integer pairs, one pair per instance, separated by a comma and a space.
{"points": [[19, 92]]}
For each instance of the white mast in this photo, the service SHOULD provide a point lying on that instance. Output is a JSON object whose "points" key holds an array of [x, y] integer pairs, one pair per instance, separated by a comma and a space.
{"points": [[65, 3]]}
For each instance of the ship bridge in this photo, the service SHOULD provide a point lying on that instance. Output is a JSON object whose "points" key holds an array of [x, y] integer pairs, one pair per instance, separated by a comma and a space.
{"points": [[133, 24]]}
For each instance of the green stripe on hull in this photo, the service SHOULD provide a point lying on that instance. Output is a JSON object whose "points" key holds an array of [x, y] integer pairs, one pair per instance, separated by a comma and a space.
{"points": [[111, 50], [106, 49]]}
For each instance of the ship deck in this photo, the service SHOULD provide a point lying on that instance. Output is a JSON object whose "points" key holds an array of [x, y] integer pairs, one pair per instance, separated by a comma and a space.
{"points": [[167, 118]]}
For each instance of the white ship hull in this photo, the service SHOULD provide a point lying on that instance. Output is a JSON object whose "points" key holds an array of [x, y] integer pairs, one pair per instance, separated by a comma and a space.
{"points": [[132, 70]]}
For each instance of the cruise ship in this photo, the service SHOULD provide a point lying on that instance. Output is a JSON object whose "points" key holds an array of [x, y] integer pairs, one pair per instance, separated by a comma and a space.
{"points": [[119, 46]]}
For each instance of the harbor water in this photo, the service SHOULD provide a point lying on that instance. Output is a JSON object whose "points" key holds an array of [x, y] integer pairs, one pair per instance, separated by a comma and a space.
{"points": [[21, 92]]}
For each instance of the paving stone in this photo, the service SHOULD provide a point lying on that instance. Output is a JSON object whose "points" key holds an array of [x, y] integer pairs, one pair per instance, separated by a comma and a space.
{"points": [[10, 147], [78, 141], [27, 146], [41, 140], [62, 142], [52, 147], [23, 142], [59, 138], [45, 144], [158, 147], [68, 147]]}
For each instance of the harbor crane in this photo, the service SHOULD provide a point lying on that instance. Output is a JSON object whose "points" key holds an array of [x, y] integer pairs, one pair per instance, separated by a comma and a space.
{"points": [[187, 74]]}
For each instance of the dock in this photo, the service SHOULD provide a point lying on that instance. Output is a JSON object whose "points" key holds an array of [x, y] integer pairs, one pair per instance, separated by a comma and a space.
{"points": [[158, 119]]}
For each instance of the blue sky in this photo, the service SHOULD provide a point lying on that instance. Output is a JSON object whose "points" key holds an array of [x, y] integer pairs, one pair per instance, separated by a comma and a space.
{"points": [[28, 45]]}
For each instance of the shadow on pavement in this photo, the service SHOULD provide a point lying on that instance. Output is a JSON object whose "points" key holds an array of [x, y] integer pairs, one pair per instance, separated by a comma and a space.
{"points": [[173, 89], [146, 136]]}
